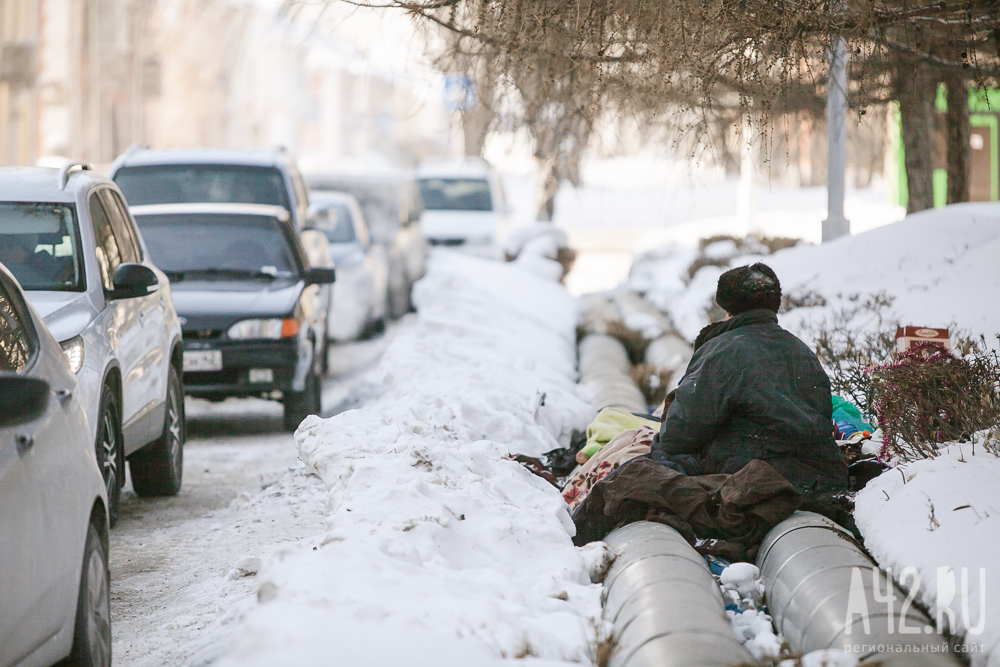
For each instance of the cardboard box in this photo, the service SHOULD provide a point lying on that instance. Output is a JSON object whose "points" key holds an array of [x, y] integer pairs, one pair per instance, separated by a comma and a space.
{"points": [[907, 337]]}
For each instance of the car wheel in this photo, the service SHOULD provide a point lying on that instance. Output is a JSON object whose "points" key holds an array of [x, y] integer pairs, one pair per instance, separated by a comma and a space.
{"points": [[158, 468], [301, 404], [92, 632], [111, 451]]}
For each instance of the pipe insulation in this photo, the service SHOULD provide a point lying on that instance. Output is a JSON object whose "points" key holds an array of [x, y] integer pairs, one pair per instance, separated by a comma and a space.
{"points": [[664, 604], [824, 592], [605, 375]]}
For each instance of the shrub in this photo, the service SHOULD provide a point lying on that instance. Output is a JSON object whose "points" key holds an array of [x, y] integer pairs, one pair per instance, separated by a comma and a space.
{"points": [[651, 382], [635, 343], [928, 396], [846, 351]]}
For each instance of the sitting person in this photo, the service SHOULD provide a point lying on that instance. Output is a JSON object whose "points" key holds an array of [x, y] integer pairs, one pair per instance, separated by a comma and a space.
{"points": [[753, 391]]}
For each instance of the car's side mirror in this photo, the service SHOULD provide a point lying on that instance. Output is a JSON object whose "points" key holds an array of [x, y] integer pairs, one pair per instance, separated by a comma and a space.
{"points": [[132, 280], [22, 399], [320, 276]]}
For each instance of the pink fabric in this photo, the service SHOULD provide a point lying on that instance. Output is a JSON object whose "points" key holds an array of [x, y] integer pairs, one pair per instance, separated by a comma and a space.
{"points": [[624, 447]]}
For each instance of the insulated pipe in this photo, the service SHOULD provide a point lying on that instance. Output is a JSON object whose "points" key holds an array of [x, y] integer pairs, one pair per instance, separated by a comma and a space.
{"points": [[670, 353], [822, 591], [664, 604], [604, 374]]}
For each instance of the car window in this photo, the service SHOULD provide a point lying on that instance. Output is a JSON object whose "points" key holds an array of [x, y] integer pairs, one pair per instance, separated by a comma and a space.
{"points": [[334, 220], [40, 245], [109, 255], [121, 226], [202, 183], [456, 194], [191, 243], [17, 342]]}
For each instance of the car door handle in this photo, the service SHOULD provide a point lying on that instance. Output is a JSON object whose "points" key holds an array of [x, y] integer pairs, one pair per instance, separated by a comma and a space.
{"points": [[24, 443]]}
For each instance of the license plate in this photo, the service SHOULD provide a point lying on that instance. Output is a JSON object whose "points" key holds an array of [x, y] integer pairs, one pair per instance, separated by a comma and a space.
{"points": [[261, 375], [202, 360]]}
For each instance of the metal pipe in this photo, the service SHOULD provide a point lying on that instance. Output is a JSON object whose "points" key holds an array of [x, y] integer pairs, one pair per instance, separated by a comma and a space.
{"points": [[824, 592], [605, 376], [664, 604]]}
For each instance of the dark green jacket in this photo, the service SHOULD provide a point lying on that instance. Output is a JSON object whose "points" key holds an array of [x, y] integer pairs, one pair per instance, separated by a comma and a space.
{"points": [[755, 391]]}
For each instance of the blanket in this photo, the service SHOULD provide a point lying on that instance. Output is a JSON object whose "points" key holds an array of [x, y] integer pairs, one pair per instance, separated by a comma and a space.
{"points": [[721, 515], [622, 448], [608, 424]]}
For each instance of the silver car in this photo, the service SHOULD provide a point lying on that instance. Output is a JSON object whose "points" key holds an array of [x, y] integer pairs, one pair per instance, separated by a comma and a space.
{"points": [[54, 593], [69, 239], [361, 293]]}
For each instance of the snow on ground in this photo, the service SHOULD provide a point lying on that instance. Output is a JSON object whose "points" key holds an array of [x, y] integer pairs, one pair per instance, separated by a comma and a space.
{"points": [[942, 517], [436, 548], [173, 599], [938, 266]]}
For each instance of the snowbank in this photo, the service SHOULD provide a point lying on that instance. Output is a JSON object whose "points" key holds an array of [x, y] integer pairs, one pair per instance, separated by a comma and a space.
{"points": [[937, 267], [942, 517], [940, 266], [437, 548]]}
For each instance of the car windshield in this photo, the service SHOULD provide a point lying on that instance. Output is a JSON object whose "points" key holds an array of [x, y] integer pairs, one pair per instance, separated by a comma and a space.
{"points": [[334, 220], [202, 183], [40, 245], [456, 194], [224, 245]]}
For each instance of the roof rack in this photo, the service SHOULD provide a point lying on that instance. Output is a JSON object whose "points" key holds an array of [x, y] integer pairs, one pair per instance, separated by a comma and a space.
{"points": [[66, 168]]}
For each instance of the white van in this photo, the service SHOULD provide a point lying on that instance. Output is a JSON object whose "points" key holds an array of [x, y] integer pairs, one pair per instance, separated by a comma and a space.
{"points": [[463, 204]]}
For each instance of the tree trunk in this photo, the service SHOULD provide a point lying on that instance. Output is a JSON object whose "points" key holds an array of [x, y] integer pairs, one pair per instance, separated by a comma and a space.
{"points": [[548, 186], [915, 90], [957, 122], [476, 121]]}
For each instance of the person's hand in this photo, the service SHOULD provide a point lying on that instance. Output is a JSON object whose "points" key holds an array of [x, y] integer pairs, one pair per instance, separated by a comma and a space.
{"points": [[581, 458]]}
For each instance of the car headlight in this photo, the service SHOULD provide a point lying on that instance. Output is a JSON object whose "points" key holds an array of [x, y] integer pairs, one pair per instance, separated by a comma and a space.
{"points": [[73, 349], [273, 328]]}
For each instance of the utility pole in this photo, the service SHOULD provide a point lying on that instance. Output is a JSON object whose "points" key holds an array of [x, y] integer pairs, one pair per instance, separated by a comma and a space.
{"points": [[836, 129]]}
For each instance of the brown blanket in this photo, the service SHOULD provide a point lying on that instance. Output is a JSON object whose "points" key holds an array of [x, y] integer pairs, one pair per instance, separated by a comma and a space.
{"points": [[722, 515]]}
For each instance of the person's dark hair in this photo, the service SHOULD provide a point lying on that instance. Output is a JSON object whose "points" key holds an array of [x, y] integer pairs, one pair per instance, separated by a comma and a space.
{"points": [[748, 288]]}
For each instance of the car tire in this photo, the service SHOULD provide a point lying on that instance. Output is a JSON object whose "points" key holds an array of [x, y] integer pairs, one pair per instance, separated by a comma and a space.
{"points": [[158, 468], [92, 630], [301, 404], [110, 449]]}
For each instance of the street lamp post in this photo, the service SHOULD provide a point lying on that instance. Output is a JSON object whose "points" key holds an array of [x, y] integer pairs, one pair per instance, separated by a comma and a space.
{"points": [[836, 127]]}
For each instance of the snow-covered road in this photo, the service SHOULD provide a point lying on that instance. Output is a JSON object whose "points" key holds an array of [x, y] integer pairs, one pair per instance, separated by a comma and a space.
{"points": [[171, 597]]}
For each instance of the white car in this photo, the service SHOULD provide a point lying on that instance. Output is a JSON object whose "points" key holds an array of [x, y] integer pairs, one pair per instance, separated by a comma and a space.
{"points": [[69, 239], [361, 293], [463, 205], [54, 586]]}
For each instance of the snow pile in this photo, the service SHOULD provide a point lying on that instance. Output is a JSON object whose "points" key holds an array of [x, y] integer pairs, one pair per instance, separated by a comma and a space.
{"points": [[941, 516], [743, 591], [437, 548], [937, 267]]}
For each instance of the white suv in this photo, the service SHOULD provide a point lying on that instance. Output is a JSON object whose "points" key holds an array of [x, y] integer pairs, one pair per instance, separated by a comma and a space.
{"points": [[68, 238], [463, 204]]}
